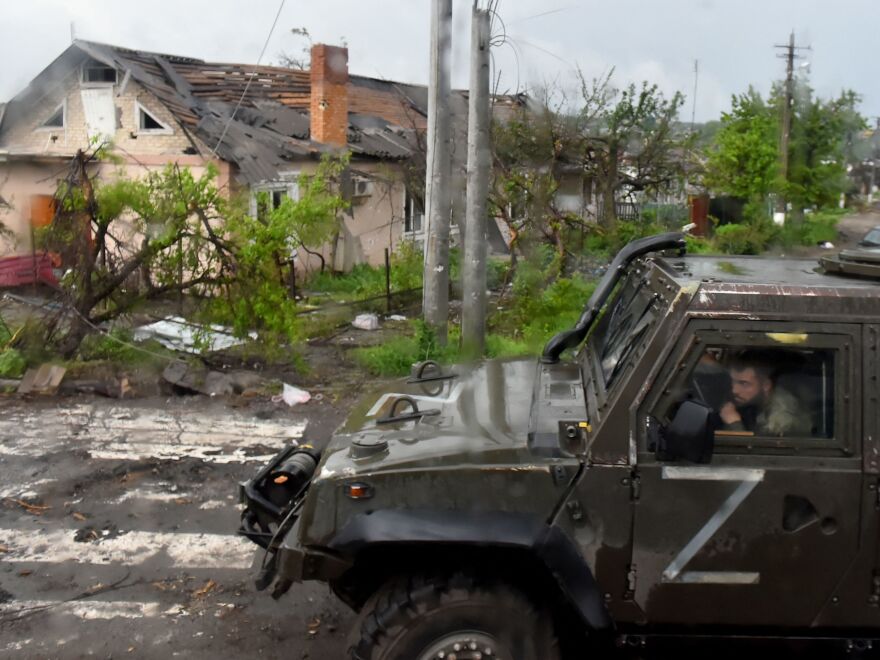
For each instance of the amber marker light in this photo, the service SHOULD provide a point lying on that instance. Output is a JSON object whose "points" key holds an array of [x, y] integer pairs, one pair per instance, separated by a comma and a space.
{"points": [[358, 491]]}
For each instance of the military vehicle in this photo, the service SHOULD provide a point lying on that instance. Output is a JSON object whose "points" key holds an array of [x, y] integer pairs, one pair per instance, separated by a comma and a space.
{"points": [[706, 463]]}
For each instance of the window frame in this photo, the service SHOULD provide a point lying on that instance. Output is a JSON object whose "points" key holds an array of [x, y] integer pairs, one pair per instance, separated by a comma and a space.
{"points": [[138, 109], [288, 184], [97, 64], [63, 107], [409, 209], [842, 339]]}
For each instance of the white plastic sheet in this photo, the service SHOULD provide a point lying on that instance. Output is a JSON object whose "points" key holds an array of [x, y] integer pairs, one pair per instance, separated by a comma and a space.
{"points": [[175, 333]]}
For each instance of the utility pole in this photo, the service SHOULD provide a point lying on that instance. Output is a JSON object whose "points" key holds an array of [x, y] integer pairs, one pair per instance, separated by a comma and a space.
{"points": [[789, 55], [874, 155], [435, 296], [694, 101], [473, 272]]}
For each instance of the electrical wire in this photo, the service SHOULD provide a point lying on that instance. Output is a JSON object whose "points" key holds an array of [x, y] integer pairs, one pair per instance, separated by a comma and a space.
{"points": [[250, 80]]}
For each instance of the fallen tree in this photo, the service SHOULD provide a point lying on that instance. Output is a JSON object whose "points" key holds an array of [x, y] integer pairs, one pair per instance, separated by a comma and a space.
{"points": [[127, 241]]}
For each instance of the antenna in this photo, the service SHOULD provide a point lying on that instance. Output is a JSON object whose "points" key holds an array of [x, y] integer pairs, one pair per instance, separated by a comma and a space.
{"points": [[72, 32]]}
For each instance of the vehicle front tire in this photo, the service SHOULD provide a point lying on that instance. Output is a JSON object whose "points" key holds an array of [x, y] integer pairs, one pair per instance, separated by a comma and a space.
{"points": [[420, 618]]}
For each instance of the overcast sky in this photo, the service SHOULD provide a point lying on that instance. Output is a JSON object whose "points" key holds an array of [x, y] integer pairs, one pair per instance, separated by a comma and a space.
{"points": [[656, 40]]}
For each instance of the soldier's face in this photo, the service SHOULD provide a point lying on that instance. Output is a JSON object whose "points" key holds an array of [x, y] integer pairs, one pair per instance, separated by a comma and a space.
{"points": [[747, 386]]}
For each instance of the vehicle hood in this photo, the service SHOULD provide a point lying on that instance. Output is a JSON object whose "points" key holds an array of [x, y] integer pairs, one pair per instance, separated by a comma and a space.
{"points": [[480, 416]]}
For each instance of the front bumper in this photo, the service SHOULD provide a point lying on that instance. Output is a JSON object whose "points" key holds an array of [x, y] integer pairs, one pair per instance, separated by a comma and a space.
{"points": [[271, 520], [261, 517]]}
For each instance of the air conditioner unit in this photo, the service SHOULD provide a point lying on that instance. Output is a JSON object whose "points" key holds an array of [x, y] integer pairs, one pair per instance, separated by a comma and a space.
{"points": [[362, 188]]}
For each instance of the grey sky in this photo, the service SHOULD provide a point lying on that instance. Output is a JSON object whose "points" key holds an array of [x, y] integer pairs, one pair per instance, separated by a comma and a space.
{"points": [[653, 40]]}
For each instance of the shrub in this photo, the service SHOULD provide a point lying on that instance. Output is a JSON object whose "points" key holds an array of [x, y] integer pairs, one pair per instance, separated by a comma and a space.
{"points": [[746, 238], [539, 307]]}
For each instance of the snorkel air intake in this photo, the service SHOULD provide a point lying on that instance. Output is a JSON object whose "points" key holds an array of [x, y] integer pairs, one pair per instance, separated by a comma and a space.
{"points": [[632, 251]]}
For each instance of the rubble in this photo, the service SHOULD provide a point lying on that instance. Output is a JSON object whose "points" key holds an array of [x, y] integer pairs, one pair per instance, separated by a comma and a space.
{"points": [[198, 378], [45, 379]]}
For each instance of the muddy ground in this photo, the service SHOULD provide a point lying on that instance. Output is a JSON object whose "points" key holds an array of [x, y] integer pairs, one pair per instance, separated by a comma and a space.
{"points": [[118, 519]]}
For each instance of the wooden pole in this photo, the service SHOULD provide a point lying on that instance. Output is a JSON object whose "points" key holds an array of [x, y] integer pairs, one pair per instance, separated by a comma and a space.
{"points": [[435, 296], [473, 311]]}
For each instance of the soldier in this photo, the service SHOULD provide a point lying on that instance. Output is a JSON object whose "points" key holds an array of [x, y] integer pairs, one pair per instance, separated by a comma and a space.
{"points": [[758, 406]]}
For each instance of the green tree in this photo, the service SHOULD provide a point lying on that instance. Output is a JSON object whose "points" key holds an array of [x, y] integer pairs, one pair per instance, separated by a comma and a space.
{"points": [[824, 141], [744, 159]]}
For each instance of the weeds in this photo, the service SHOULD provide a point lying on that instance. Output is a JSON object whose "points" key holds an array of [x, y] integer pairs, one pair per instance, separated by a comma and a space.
{"points": [[116, 346], [365, 281], [396, 357]]}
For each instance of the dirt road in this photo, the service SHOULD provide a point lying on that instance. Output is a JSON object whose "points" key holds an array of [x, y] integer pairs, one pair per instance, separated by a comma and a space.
{"points": [[117, 535]]}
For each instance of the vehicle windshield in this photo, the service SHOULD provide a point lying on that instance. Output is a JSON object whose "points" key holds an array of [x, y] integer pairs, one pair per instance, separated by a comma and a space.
{"points": [[872, 238], [623, 327]]}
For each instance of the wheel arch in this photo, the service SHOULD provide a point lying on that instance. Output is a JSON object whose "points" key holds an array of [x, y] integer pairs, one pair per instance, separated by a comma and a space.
{"points": [[538, 557]]}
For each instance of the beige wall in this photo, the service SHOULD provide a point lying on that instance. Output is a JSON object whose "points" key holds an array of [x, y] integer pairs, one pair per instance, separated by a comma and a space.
{"points": [[19, 179], [38, 156]]}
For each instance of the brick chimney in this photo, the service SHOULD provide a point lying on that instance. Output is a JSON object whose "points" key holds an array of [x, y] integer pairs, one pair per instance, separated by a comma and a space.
{"points": [[329, 96]]}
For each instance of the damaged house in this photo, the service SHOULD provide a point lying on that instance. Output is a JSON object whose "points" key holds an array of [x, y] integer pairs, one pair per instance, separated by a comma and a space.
{"points": [[261, 126]]}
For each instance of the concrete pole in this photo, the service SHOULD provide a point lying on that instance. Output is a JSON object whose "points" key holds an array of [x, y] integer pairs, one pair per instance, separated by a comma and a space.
{"points": [[788, 101], [438, 203], [473, 268]]}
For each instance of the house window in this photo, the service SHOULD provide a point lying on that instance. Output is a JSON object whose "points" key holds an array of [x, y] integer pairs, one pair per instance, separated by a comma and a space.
{"points": [[269, 197], [57, 119], [147, 122], [98, 72], [413, 219]]}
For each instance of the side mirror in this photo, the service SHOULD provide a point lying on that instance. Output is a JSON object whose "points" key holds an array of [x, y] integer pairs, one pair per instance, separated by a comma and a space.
{"points": [[690, 436]]}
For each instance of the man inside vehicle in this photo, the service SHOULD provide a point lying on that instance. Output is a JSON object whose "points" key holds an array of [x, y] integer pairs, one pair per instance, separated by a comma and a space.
{"points": [[758, 406]]}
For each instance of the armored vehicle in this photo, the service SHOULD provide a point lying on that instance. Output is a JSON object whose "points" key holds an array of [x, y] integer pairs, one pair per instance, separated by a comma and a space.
{"points": [[699, 455]]}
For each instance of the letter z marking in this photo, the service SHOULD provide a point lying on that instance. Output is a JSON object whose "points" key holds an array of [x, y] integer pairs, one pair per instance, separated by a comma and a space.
{"points": [[748, 478]]}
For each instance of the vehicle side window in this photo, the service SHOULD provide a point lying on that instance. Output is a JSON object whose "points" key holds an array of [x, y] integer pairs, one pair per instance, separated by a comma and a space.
{"points": [[770, 392], [765, 392]]}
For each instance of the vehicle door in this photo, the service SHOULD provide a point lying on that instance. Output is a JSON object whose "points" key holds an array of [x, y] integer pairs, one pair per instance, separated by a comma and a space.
{"points": [[763, 531]]}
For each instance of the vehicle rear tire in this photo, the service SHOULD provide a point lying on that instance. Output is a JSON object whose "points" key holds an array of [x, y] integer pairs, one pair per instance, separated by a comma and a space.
{"points": [[429, 618]]}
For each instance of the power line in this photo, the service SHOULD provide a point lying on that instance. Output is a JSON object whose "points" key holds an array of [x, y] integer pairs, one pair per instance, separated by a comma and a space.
{"points": [[543, 13], [250, 79]]}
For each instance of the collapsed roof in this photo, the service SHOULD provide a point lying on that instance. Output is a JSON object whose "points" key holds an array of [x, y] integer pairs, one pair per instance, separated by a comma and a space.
{"points": [[256, 117]]}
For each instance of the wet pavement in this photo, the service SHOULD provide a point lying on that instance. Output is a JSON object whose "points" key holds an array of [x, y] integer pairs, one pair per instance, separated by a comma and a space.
{"points": [[117, 534]]}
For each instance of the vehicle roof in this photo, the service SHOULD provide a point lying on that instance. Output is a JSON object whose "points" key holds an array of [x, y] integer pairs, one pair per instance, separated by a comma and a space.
{"points": [[764, 271]]}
